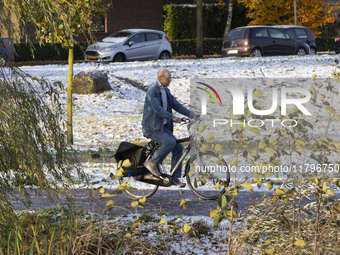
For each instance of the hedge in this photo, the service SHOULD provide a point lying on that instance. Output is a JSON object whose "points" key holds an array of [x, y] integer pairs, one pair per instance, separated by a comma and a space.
{"points": [[211, 46], [180, 20], [47, 52], [325, 44]]}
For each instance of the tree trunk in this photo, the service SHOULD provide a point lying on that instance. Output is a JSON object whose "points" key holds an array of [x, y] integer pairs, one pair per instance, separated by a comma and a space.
{"points": [[230, 15], [69, 97], [199, 36]]}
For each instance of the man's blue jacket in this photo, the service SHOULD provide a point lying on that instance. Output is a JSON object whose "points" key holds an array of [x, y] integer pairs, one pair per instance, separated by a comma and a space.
{"points": [[154, 114]]}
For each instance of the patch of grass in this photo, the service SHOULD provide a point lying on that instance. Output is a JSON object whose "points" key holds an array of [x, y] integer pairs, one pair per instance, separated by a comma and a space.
{"points": [[147, 218], [65, 231]]}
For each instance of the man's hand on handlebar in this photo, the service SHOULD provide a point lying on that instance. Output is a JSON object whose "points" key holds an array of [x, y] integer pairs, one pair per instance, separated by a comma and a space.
{"points": [[194, 116], [186, 120], [176, 119]]}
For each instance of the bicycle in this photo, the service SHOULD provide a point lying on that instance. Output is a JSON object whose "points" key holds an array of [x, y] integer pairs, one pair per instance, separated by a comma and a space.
{"points": [[200, 172]]}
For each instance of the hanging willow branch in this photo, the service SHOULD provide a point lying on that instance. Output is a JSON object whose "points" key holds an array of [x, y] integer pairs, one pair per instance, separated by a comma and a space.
{"points": [[33, 147]]}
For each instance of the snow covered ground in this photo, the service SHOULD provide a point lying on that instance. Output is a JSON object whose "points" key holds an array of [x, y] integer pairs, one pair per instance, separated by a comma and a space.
{"points": [[104, 120]]}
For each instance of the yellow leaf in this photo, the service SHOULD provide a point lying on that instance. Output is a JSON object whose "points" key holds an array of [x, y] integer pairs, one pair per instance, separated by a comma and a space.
{"points": [[218, 148], [270, 151], [136, 232], [104, 172], [245, 234], [109, 203], [162, 221], [330, 192], [233, 191], [258, 93], [119, 173], [201, 128], [213, 213], [325, 188], [204, 148], [126, 163], [272, 140], [254, 130], [313, 92], [262, 144], [106, 195], [279, 191], [186, 228], [269, 185], [330, 109], [210, 137], [134, 204], [270, 251], [128, 235], [300, 243], [136, 224], [102, 190], [183, 204], [248, 186], [233, 162], [142, 200]]}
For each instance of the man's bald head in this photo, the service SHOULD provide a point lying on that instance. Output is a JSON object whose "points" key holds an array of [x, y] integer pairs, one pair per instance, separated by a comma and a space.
{"points": [[164, 77]]}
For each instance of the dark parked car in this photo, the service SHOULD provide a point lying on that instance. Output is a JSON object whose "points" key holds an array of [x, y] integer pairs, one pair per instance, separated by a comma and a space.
{"points": [[337, 45], [257, 41], [301, 34]]}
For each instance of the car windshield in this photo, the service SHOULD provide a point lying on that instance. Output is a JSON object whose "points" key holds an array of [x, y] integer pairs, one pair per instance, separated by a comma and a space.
{"points": [[120, 34], [237, 34]]}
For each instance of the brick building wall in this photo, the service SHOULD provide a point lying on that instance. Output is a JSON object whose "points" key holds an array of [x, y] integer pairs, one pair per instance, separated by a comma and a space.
{"points": [[122, 14], [134, 14]]}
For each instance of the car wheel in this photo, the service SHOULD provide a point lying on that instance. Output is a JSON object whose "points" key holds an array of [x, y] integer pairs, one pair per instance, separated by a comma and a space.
{"points": [[119, 57], [256, 53], [301, 52], [164, 55], [312, 51]]}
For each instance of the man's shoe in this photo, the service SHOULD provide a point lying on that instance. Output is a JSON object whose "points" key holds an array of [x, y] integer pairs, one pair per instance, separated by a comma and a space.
{"points": [[177, 182], [152, 167]]}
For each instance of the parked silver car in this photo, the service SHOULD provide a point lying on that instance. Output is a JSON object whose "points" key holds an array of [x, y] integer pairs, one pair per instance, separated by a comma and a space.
{"points": [[131, 44]]}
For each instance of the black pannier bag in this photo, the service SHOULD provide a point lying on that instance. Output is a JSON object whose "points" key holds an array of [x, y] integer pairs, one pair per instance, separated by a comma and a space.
{"points": [[135, 154]]}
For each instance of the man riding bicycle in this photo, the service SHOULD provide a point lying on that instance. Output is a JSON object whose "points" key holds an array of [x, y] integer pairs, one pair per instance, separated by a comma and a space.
{"points": [[158, 121]]}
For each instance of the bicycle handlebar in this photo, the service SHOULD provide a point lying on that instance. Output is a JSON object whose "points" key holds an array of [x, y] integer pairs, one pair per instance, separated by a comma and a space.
{"points": [[185, 120]]}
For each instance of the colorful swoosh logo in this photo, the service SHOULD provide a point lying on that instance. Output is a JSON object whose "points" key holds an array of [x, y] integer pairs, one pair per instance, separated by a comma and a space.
{"points": [[209, 93]]}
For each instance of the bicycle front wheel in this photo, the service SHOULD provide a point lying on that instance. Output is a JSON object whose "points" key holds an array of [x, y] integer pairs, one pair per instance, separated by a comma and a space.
{"points": [[138, 189], [207, 175]]}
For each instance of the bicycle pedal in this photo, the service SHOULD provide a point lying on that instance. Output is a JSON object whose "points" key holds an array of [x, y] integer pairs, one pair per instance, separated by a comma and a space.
{"points": [[166, 179]]}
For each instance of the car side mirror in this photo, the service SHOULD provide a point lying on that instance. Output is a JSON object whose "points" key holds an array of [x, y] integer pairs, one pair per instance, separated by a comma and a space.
{"points": [[130, 43]]}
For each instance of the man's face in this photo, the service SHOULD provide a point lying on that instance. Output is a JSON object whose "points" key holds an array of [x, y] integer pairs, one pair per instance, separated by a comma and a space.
{"points": [[165, 79]]}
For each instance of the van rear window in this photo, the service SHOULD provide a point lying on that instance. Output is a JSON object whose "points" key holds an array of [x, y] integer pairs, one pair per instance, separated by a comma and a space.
{"points": [[237, 34]]}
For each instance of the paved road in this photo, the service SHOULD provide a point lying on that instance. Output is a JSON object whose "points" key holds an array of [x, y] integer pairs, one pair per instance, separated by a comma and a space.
{"points": [[167, 200]]}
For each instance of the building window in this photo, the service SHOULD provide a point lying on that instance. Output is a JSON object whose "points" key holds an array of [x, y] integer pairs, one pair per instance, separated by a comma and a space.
{"points": [[98, 24]]}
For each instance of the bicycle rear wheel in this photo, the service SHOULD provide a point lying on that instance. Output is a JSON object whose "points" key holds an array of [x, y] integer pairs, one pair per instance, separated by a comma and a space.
{"points": [[207, 175], [138, 189]]}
